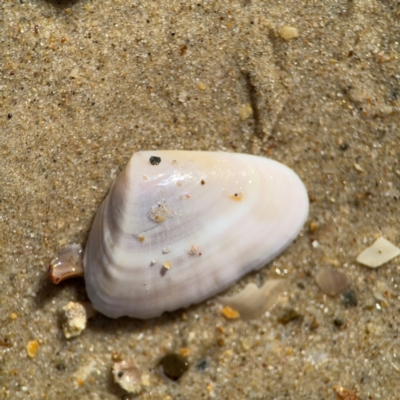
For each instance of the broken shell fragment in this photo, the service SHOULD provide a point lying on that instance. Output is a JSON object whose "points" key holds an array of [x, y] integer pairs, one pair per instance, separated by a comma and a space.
{"points": [[252, 302], [67, 264], [379, 253], [76, 315], [127, 375], [234, 237]]}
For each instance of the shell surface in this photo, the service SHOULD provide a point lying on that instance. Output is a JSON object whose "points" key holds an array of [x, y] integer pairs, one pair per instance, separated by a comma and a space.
{"points": [[178, 227]]}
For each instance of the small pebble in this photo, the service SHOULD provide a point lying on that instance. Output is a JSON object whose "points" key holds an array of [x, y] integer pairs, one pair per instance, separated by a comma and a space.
{"points": [[338, 322], [313, 227], [288, 32], [32, 348], [184, 351], [289, 315], [229, 313], [345, 394], [174, 365], [331, 281], [245, 111], [202, 365], [349, 298]]}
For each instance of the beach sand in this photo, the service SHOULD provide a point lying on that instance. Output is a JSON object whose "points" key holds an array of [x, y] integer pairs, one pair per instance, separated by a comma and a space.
{"points": [[84, 84]]}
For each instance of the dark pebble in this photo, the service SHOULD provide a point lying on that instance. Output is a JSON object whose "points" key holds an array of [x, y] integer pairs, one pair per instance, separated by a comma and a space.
{"points": [[289, 315], [60, 367], [338, 322], [349, 298], [202, 365], [174, 365]]}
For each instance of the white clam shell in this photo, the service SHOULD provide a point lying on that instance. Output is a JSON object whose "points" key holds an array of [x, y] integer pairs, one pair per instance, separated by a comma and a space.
{"points": [[174, 234]]}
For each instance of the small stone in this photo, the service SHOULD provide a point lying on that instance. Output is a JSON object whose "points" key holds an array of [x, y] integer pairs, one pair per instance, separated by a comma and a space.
{"points": [[358, 167], [32, 348], [74, 73], [229, 313], [331, 281], [313, 227], [289, 315], [245, 111], [184, 351], [349, 298], [75, 318], [14, 316], [338, 322], [128, 376], [174, 365], [288, 32], [345, 394], [202, 365], [313, 324], [183, 96], [60, 367]]}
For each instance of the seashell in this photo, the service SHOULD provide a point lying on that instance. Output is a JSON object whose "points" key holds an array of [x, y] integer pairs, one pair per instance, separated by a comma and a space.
{"points": [[252, 302], [178, 227]]}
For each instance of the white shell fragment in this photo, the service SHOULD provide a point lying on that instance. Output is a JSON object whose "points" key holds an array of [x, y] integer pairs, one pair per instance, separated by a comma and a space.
{"points": [[127, 375], [252, 302], [75, 318], [331, 281], [221, 214], [379, 253]]}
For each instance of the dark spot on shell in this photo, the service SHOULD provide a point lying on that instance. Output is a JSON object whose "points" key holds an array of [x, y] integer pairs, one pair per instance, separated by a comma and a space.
{"points": [[154, 160], [174, 365], [120, 374], [203, 182]]}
